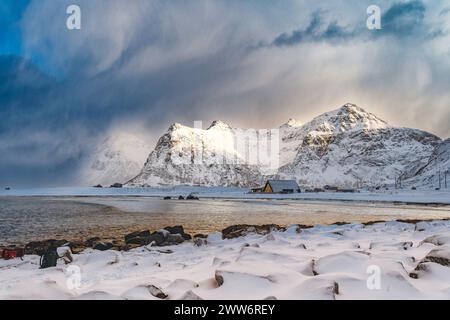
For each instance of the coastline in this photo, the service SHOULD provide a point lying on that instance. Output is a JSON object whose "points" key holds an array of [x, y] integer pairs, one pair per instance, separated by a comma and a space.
{"points": [[80, 218], [120, 242], [413, 197]]}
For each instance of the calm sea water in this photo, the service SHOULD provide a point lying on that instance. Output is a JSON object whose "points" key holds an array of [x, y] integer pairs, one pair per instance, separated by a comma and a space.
{"points": [[24, 219]]}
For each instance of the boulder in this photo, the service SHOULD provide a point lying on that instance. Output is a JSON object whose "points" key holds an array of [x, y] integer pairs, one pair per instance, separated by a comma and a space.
{"points": [[175, 229], [200, 242], [192, 197], [173, 239], [156, 292], [158, 238], [140, 241], [102, 246], [40, 247], [141, 234], [178, 230], [116, 185], [244, 229], [140, 238], [91, 242], [439, 256]]}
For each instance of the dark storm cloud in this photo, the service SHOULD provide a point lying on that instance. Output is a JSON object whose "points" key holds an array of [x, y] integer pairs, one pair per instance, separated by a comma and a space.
{"points": [[156, 62], [404, 18], [314, 32], [401, 20]]}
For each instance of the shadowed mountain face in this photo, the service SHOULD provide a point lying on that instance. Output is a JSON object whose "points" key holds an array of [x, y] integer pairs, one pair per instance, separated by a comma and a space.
{"points": [[436, 169], [347, 147]]}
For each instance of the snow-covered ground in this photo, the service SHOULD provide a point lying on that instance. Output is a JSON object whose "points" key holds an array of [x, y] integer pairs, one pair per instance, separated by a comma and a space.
{"points": [[390, 260], [406, 196]]}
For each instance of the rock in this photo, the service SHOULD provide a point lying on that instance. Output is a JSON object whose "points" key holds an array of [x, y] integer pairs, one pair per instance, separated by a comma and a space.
{"points": [[139, 241], [141, 234], [40, 247], [192, 197], [437, 240], [175, 229], [91, 242], [101, 246], [116, 185], [335, 288], [200, 235], [200, 242], [167, 198], [180, 198], [178, 230], [219, 278], [98, 186], [407, 245], [157, 238], [439, 256], [243, 230], [165, 251], [139, 238], [173, 239], [186, 236], [156, 292]]}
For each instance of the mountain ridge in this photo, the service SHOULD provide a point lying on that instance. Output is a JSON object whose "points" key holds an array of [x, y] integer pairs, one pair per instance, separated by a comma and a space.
{"points": [[347, 147]]}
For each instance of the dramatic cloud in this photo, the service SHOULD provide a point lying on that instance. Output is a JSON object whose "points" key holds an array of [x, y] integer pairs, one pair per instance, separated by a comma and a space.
{"points": [[145, 64]]}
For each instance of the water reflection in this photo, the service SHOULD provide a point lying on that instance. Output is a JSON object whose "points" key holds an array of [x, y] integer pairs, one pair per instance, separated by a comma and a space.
{"points": [[23, 219]]}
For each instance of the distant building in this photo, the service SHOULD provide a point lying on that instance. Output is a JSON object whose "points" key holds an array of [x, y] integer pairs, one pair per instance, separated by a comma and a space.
{"points": [[281, 186]]}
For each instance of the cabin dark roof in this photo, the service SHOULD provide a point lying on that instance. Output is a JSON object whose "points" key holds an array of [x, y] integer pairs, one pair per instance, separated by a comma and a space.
{"points": [[282, 185]]}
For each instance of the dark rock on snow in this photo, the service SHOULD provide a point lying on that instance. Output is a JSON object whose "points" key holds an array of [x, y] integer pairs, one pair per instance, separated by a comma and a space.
{"points": [[244, 229], [101, 246], [40, 247]]}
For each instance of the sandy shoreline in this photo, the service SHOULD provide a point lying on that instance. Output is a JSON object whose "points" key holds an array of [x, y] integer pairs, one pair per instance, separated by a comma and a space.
{"points": [[412, 261], [78, 218]]}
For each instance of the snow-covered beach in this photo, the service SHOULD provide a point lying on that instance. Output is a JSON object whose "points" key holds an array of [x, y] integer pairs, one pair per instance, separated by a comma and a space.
{"points": [[391, 260], [382, 260]]}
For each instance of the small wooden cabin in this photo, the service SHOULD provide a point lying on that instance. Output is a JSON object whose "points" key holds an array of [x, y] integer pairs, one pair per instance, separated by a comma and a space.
{"points": [[281, 186]]}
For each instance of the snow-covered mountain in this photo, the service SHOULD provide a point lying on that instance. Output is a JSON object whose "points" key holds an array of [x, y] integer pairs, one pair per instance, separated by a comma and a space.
{"points": [[118, 158], [351, 147], [346, 147], [437, 165], [193, 156]]}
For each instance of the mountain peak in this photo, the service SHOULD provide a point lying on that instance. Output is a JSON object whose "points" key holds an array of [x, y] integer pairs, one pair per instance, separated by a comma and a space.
{"points": [[219, 124], [351, 116], [293, 123], [350, 108]]}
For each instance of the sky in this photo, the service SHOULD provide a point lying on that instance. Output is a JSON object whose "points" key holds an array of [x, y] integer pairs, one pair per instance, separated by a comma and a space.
{"points": [[141, 65]]}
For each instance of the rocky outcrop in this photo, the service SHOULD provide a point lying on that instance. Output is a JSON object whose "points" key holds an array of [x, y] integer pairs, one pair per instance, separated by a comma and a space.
{"points": [[165, 237], [244, 229]]}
